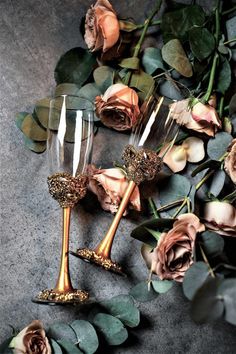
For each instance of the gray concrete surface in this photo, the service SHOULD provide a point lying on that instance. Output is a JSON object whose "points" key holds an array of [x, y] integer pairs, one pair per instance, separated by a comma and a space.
{"points": [[33, 35]]}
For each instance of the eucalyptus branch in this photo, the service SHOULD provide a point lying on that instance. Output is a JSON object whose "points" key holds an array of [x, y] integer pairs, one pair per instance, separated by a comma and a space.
{"points": [[153, 208], [207, 262], [221, 106], [230, 41], [226, 12], [185, 201], [217, 21]]}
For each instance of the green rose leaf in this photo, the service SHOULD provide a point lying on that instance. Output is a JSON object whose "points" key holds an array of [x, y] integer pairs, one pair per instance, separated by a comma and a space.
{"points": [[31, 128], [227, 290], [143, 83], [123, 308], [61, 331], [141, 292], [176, 24], [162, 286], [207, 305], [217, 146], [69, 347], [174, 188], [75, 66], [127, 26], [217, 183], [174, 55], [212, 243], [103, 77], [42, 111], [67, 89], [55, 347], [112, 328], [86, 336], [35, 146], [130, 63], [202, 42], [194, 278], [152, 60], [144, 232], [223, 76]]}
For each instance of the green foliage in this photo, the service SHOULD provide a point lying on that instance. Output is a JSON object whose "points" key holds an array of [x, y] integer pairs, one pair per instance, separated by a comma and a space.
{"points": [[143, 82], [68, 347], [103, 77], [143, 292], [194, 278], [205, 165], [212, 243], [130, 63], [152, 60], [217, 183], [162, 286], [60, 330], [86, 336], [202, 42], [55, 347], [224, 76], [4, 347], [217, 146]]}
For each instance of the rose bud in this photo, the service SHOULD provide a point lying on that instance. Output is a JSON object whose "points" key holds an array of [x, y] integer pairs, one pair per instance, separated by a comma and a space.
{"points": [[31, 339], [109, 185], [174, 253], [101, 26], [230, 161], [118, 107], [206, 113], [221, 218]]}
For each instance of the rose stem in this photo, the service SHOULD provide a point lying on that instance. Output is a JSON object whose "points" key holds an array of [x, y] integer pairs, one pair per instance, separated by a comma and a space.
{"points": [[230, 41], [226, 12], [207, 262], [153, 23], [141, 39], [221, 106], [185, 201], [153, 208]]}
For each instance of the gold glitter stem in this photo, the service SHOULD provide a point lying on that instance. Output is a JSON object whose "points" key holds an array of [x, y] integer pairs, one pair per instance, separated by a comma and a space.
{"points": [[63, 282], [104, 248]]}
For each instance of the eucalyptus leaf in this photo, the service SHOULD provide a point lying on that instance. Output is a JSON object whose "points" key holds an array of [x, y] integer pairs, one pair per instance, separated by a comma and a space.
{"points": [[206, 164], [111, 327], [61, 331], [194, 278], [224, 76], [227, 290], [191, 197], [176, 24], [207, 305], [142, 82], [174, 55], [217, 146], [130, 63], [67, 89], [162, 286], [69, 347], [42, 111], [89, 91], [152, 60], [75, 66], [123, 308], [231, 29], [232, 105], [86, 336], [32, 129], [103, 77], [202, 42], [141, 292], [212, 243], [55, 347], [168, 89], [35, 146], [143, 234], [20, 118], [217, 183]]}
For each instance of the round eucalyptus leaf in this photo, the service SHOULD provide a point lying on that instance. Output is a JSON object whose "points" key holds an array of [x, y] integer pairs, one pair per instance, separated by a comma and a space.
{"points": [[123, 308], [152, 60], [212, 243], [103, 77], [20, 118], [202, 42], [69, 347], [112, 328], [194, 278], [90, 92], [32, 129], [162, 286], [232, 105], [60, 331], [224, 76], [67, 89], [42, 111], [75, 66], [207, 305], [55, 347], [141, 292], [35, 146], [167, 89], [86, 336], [227, 290], [130, 63], [217, 183], [143, 82], [217, 146]]}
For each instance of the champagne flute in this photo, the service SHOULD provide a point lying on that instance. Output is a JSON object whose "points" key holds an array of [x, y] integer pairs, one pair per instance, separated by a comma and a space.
{"points": [[69, 147], [141, 164]]}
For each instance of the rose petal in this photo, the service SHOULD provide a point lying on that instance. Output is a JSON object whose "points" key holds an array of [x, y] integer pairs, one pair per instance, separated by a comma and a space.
{"points": [[194, 148], [175, 158], [221, 216]]}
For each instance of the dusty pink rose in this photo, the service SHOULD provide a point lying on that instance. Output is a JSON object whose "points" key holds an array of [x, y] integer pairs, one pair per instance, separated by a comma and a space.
{"points": [[101, 26], [230, 161], [118, 107], [174, 253], [221, 218], [202, 118], [31, 340], [109, 185]]}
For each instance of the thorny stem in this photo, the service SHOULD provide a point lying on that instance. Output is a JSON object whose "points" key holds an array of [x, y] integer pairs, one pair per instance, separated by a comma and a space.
{"points": [[207, 262]]}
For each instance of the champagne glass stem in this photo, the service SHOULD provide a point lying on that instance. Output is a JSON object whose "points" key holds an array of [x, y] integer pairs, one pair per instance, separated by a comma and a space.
{"points": [[64, 282], [104, 248]]}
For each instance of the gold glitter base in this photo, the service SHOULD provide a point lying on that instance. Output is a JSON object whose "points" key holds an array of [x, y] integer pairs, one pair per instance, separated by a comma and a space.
{"points": [[49, 296], [91, 256]]}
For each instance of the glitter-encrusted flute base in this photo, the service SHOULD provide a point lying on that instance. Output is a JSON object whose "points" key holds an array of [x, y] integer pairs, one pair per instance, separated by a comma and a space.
{"points": [[91, 256], [50, 296]]}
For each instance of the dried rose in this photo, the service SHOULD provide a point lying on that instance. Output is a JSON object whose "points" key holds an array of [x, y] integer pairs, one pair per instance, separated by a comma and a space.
{"points": [[192, 150], [230, 161], [109, 185], [101, 26], [31, 339], [220, 217], [202, 118], [174, 253], [118, 107]]}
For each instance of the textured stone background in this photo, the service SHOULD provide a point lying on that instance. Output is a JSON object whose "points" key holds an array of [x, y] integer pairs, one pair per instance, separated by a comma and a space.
{"points": [[33, 35]]}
